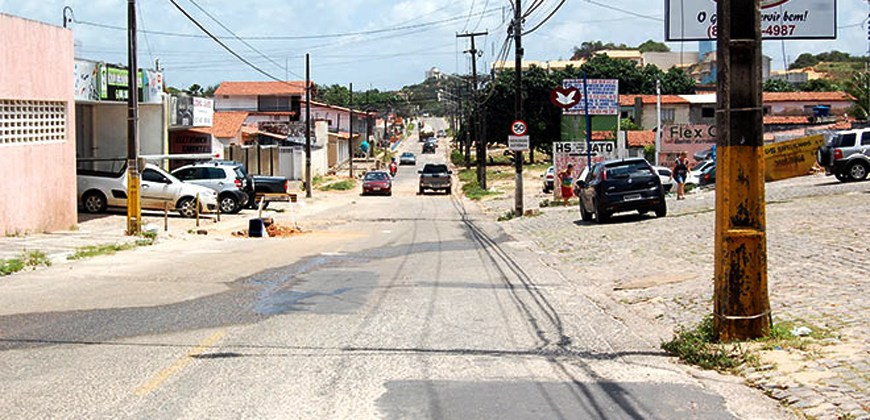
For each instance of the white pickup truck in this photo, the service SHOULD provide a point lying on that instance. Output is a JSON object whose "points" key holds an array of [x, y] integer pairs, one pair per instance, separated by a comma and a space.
{"points": [[98, 190]]}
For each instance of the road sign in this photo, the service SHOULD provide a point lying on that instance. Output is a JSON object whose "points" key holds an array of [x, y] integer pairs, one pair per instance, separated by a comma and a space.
{"points": [[518, 143], [519, 128], [565, 97], [603, 96], [695, 20]]}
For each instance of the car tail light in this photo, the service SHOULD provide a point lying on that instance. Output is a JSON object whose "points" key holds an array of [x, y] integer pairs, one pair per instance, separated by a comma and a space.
{"points": [[604, 175], [707, 177], [838, 154], [286, 186], [238, 183]]}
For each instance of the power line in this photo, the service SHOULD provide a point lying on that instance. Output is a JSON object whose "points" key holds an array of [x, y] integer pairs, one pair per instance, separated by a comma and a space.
{"points": [[467, 20], [607, 6], [242, 40], [534, 6], [541, 23], [230, 50]]}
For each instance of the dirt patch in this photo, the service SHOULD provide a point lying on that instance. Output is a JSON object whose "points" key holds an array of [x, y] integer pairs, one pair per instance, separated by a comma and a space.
{"points": [[274, 230]]}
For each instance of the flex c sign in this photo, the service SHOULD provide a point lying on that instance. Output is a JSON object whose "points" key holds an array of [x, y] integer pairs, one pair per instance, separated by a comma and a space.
{"points": [[682, 134]]}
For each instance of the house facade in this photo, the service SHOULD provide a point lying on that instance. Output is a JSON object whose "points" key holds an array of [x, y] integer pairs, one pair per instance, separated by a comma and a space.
{"points": [[37, 127]]}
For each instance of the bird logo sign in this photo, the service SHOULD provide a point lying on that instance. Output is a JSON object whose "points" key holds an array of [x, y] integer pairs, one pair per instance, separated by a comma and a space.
{"points": [[565, 97]]}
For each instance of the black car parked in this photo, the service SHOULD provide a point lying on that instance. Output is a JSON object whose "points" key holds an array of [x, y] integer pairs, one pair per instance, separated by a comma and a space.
{"points": [[620, 185]]}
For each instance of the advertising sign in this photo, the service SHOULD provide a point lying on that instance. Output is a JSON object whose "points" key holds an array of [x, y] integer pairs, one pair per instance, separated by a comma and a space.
{"points": [[86, 75], [203, 112], [685, 138], [695, 20], [564, 97], [603, 96], [113, 83], [792, 158], [565, 152]]}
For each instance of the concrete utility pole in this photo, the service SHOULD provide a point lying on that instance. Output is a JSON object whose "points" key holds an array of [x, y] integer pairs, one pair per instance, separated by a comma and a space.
{"points": [[658, 121], [134, 209], [481, 143], [518, 102], [307, 126], [741, 303], [350, 130]]}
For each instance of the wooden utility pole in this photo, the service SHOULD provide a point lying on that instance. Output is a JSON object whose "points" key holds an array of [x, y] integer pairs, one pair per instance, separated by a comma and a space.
{"points": [[518, 102], [481, 143], [307, 127], [350, 128], [134, 208], [741, 304]]}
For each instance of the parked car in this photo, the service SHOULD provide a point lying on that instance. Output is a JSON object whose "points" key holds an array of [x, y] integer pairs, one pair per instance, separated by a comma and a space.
{"points": [[429, 148], [407, 158], [377, 182], [228, 181], [260, 187], [707, 178], [98, 190], [435, 176], [442, 134], [665, 177], [618, 186], [847, 155], [549, 180]]}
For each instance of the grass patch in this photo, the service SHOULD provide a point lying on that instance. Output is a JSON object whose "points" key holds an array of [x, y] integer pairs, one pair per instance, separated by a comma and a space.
{"points": [[343, 185], [473, 191], [511, 214], [699, 346], [28, 259], [317, 181], [90, 251], [781, 337]]}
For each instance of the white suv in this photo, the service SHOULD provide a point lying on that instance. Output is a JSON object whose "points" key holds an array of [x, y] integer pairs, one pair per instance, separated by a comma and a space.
{"points": [[228, 181]]}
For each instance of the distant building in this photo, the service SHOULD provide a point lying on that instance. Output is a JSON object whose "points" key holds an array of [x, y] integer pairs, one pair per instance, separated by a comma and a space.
{"points": [[434, 73]]}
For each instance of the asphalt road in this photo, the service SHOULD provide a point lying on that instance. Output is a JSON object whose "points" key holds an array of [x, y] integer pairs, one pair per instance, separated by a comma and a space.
{"points": [[405, 307]]}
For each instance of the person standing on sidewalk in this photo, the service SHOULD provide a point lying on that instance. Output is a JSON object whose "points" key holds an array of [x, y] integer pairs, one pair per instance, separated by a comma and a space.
{"points": [[566, 182], [680, 173]]}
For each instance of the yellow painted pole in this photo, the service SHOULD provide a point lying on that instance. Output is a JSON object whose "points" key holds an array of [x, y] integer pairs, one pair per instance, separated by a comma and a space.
{"points": [[741, 303], [197, 209]]}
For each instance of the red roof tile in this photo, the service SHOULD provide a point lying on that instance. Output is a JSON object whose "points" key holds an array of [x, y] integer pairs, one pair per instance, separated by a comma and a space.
{"points": [[228, 124], [805, 96], [786, 120], [640, 138], [602, 135], [260, 88], [628, 100]]}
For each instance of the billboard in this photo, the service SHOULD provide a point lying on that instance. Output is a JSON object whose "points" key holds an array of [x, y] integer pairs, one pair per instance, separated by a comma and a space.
{"points": [[695, 20], [603, 96], [690, 138]]}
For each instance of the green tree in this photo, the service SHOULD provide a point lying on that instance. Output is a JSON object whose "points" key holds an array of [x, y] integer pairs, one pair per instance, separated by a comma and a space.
{"points": [[653, 46], [778, 85], [820, 85], [677, 82], [195, 90], [804, 60], [859, 88]]}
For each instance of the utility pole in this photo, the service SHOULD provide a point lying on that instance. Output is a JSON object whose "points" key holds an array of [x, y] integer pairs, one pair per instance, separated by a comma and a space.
{"points": [[350, 132], [741, 303], [307, 126], [518, 102], [658, 121], [481, 143], [134, 209]]}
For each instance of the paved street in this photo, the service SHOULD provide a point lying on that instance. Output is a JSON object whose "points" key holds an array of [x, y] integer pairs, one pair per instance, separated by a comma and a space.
{"points": [[662, 269], [394, 307]]}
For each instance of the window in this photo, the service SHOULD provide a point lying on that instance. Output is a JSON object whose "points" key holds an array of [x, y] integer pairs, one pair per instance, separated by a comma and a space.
{"points": [[708, 112], [185, 174], [24, 122], [151, 175], [669, 114], [865, 138], [215, 173], [844, 140], [273, 103]]}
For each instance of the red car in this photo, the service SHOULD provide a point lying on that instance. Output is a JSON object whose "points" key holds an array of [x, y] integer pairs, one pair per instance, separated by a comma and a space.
{"points": [[377, 182]]}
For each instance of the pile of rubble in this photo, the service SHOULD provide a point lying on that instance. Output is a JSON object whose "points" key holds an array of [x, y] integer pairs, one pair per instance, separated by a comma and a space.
{"points": [[273, 230]]}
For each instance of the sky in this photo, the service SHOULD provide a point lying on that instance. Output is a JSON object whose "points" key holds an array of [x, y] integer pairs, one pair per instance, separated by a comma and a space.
{"points": [[371, 43]]}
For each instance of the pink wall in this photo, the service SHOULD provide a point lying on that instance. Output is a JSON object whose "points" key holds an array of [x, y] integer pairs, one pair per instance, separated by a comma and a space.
{"points": [[38, 186]]}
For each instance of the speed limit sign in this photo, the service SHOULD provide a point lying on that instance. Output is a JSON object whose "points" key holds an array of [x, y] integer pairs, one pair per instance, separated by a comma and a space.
{"points": [[519, 128]]}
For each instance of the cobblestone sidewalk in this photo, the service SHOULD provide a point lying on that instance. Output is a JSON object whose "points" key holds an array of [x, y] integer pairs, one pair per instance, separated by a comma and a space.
{"points": [[818, 276]]}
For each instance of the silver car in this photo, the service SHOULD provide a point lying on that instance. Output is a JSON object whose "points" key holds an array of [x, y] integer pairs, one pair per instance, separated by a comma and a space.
{"points": [[226, 180]]}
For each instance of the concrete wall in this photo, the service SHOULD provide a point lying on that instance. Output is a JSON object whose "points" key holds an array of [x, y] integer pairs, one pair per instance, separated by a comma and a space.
{"points": [[38, 189], [109, 130], [236, 103], [681, 115]]}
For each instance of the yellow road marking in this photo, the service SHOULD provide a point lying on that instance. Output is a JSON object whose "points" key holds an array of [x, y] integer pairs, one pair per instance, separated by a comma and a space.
{"points": [[179, 364]]}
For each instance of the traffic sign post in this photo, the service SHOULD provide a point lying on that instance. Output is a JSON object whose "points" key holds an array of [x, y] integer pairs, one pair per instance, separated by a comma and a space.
{"points": [[519, 128], [518, 143]]}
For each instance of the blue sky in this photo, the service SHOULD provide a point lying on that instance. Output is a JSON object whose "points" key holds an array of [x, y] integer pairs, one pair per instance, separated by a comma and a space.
{"points": [[379, 59]]}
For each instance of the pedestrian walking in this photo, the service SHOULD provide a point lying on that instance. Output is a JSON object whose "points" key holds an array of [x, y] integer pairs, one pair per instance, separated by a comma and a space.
{"points": [[566, 181], [680, 173]]}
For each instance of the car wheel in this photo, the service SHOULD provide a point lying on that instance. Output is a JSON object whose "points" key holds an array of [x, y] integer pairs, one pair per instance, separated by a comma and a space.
{"points": [[420, 191], [187, 207], [662, 210], [842, 176], [94, 202], [229, 204], [585, 215], [857, 171]]}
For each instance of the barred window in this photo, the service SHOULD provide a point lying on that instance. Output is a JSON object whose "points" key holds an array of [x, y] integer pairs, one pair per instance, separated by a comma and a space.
{"points": [[23, 122]]}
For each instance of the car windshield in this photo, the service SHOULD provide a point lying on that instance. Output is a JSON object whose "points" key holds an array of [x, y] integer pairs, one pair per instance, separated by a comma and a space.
{"points": [[627, 169], [407, 154], [844, 140], [376, 176], [435, 169]]}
